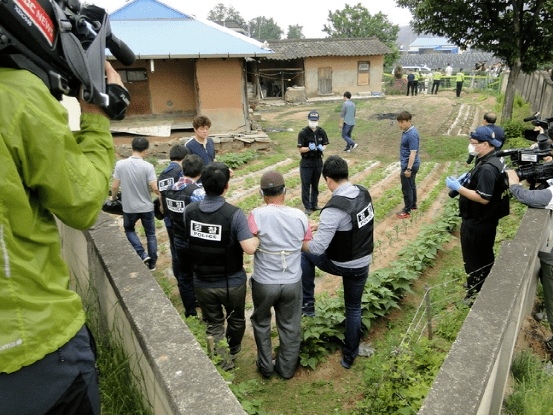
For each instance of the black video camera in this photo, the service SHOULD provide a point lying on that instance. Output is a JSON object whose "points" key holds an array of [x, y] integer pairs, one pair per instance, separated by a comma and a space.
{"points": [[526, 161], [63, 43]]}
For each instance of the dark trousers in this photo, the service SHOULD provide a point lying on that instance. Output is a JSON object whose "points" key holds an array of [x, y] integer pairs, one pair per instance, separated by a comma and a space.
{"points": [[459, 88], [310, 186], [62, 382], [477, 239], [410, 86], [415, 87], [409, 189], [435, 86], [148, 222], [182, 268]]}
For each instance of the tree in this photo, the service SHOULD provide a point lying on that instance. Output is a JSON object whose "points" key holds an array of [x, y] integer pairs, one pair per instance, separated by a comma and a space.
{"points": [[356, 21], [517, 31], [262, 28], [221, 13], [295, 32]]}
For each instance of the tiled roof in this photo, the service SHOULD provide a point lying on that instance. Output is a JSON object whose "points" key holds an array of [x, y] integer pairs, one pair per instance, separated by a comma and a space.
{"points": [[306, 48]]}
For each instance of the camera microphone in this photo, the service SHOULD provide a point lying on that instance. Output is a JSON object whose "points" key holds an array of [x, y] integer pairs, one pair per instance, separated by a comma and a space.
{"points": [[120, 50], [532, 118]]}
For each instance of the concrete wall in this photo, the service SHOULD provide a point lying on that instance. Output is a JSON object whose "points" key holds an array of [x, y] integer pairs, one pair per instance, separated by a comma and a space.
{"points": [[344, 74], [473, 378], [221, 89], [176, 376]]}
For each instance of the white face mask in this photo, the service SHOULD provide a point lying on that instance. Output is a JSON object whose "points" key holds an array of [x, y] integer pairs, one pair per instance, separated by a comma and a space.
{"points": [[472, 150], [313, 124]]}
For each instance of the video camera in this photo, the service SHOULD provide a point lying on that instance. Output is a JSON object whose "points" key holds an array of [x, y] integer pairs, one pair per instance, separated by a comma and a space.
{"points": [[63, 43], [526, 161]]}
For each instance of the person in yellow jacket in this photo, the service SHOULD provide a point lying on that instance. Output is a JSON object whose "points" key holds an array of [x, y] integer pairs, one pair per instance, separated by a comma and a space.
{"points": [[416, 82], [437, 78], [459, 78]]}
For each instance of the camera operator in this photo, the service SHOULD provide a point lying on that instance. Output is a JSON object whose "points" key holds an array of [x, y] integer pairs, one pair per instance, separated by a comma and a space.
{"points": [[47, 358], [539, 199], [481, 205]]}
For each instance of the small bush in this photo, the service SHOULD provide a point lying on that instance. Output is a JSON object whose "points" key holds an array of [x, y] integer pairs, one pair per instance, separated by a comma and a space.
{"points": [[396, 87], [513, 129]]}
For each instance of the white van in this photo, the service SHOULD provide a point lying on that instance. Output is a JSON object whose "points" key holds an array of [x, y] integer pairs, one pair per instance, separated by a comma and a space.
{"points": [[423, 69]]}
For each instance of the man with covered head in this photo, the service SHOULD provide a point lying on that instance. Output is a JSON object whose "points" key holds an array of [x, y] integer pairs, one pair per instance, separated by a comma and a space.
{"points": [[312, 141], [276, 279], [481, 204]]}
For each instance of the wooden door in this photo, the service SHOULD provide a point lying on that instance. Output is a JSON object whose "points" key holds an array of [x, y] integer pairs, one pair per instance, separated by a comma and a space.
{"points": [[325, 81]]}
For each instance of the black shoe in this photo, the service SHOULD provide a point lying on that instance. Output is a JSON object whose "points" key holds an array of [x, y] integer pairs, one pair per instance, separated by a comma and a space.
{"points": [[316, 208], [262, 372], [308, 309], [354, 146], [308, 212], [347, 362], [347, 149]]}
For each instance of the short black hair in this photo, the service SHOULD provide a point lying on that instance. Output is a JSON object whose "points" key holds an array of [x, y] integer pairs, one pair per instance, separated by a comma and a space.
{"points": [[178, 153], [347, 94], [273, 191], [404, 116], [215, 177], [139, 144], [192, 165], [490, 117], [336, 168]]}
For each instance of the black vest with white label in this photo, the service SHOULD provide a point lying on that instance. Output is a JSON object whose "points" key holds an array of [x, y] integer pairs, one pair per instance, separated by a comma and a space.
{"points": [[357, 242], [208, 234], [165, 181], [175, 202]]}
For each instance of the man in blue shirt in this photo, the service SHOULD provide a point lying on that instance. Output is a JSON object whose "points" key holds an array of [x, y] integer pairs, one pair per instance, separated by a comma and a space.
{"points": [[410, 162], [347, 121]]}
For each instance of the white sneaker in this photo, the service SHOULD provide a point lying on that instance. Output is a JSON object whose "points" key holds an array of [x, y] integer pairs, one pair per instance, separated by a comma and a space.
{"points": [[355, 146]]}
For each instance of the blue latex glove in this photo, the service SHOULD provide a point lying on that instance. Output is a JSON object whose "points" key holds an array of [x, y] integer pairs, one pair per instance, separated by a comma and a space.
{"points": [[311, 146], [320, 147], [463, 178], [453, 183]]}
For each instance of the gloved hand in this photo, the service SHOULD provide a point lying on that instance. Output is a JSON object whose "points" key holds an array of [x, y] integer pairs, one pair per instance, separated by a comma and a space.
{"points": [[320, 147], [311, 146], [453, 183], [463, 178]]}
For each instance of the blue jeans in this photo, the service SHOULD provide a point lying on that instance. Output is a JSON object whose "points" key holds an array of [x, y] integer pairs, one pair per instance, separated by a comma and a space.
{"points": [[409, 189], [148, 222], [354, 283], [182, 268], [346, 134], [310, 186]]}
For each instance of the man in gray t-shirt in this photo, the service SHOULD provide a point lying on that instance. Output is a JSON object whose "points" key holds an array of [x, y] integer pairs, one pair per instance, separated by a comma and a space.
{"points": [[276, 280], [136, 176]]}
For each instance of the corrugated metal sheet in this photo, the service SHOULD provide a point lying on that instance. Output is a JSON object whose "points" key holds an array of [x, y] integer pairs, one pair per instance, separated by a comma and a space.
{"points": [[306, 48], [153, 30]]}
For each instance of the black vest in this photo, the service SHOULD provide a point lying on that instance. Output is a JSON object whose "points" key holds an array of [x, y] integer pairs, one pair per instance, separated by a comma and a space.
{"points": [[208, 234], [498, 206], [165, 181], [357, 242], [175, 202]]}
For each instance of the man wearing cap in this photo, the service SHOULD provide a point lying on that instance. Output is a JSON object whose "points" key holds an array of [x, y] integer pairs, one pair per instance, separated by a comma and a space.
{"points": [[499, 134], [347, 121], [312, 141], [276, 278], [342, 246], [482, 203]]}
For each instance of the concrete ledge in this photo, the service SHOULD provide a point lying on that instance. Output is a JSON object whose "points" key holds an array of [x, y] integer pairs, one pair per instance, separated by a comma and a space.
{"points": [[473, 377], [177, 376]]}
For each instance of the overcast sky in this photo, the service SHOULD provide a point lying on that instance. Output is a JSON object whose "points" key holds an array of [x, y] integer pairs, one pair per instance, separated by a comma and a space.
{"points": [[312, 15]]}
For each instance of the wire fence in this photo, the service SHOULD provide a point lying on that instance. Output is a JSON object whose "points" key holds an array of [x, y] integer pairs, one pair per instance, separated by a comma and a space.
{"points": [[430, 312]]}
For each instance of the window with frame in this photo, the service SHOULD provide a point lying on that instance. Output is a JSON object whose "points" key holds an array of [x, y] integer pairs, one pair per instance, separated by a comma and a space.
{"points": [[363, 73], [133, 75]]}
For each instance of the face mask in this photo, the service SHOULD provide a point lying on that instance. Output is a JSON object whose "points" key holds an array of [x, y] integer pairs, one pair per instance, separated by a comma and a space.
{"points": [[313, 124], [472, 150]]}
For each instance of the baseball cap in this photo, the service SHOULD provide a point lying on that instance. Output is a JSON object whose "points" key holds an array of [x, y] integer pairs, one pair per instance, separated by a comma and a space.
{"points": [[485, 134], [271, 179], [313, 116]]}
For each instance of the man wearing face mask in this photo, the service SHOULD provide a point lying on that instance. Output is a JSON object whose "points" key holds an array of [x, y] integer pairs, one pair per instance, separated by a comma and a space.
{"points": [[482, 202], [312, 141]]}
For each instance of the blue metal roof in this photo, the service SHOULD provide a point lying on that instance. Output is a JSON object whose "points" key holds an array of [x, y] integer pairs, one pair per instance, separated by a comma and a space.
{"points": [[146, 9], [154, 31], [427, 42]]}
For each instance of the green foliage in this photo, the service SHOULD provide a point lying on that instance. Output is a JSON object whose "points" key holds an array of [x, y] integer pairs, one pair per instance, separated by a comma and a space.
{"points": [[234, 160], [395, 86], [513, 129], [295, 32], [221, 13], [356, 21], [401, 383], [245, 389], [263, 28], [533, 386]]}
